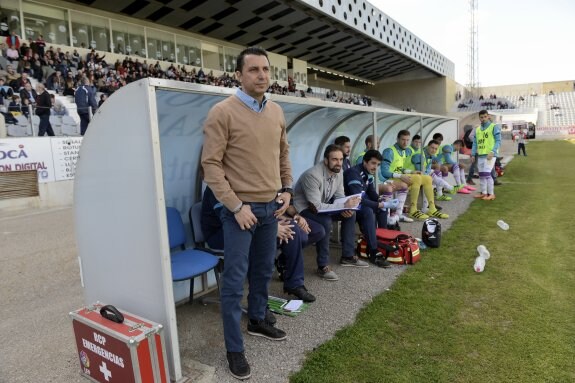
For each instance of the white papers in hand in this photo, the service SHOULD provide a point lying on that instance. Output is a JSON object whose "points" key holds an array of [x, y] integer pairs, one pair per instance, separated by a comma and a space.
{"points": [[339, 204]]}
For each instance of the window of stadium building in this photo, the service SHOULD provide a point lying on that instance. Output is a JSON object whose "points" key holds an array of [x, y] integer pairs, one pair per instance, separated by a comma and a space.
{"points": [[9, 17], [230, 58], [213, 56], [160, 45], [188, 51], [128, 39], [89, 31], [51, 23]]}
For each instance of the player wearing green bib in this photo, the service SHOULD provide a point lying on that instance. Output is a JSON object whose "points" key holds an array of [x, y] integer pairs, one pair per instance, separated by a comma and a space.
{"points": [[486, 144], [392, 168], [368, 146]]}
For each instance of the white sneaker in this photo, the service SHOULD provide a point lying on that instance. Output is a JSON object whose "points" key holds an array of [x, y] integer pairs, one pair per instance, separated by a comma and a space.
{"points": [[405, 218], [392, 219]]}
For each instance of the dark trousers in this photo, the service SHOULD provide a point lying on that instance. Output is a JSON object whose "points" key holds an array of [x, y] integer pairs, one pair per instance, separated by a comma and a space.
{"points": [[521, 147], [251, 254], [472, 169], [292, 253], [84, 121], [347, 235], [368, 220], [45, 126]]}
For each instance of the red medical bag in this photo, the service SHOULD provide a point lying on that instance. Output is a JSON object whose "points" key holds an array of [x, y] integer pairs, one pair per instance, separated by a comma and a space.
{"points": [[399, 247], [119, 347]]}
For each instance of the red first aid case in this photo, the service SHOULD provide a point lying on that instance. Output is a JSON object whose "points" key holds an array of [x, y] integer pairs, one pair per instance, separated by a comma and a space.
{"points": [[398, 247], [118, 347]]}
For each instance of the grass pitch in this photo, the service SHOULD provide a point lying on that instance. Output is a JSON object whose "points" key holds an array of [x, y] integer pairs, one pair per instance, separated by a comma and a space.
{"points": [[442, 322]]}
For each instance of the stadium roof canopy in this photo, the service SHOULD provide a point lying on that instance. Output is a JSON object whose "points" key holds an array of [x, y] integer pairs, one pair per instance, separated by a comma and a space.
{"points": [[348, 36]]}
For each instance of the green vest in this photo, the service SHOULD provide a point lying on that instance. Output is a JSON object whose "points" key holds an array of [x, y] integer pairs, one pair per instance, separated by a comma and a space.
{"points": [[397, 165], [485, 140], [359, 158], [425, 161], [407, 164]]}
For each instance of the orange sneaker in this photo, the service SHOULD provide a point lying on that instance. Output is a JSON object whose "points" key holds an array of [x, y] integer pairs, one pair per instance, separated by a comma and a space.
{"points": [[489, 197], [480, 195]]}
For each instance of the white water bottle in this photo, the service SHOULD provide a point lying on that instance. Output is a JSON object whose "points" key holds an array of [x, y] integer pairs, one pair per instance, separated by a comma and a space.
{"points": [[479, 264], [502, 225], [483, 252]]}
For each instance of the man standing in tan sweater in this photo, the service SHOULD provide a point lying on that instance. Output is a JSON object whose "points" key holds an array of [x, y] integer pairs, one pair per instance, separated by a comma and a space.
{"points": [[246, 163]]}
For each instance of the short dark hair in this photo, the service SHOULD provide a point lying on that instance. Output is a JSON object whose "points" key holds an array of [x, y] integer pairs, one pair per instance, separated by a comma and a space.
{"points": [[249, 51], [369, 139], [372, 154], [416, 137], [438, 136], [403, 133], [433, 142], [483, 112], [458, 142], [341, 140], [331, 148]]}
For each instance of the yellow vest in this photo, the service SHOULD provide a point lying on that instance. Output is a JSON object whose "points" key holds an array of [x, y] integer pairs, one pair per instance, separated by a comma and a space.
{"points": [[424, 161], [397, 165], [485, 140], [407, 163]]}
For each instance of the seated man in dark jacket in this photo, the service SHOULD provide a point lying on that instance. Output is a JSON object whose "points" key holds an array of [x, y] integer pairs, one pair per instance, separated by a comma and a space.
{"points": [[294, 233], [5, 91], [361, 179]]}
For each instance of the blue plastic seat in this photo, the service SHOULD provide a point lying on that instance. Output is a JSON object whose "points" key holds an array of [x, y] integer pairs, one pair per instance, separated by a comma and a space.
{"points": [[187, 263]]}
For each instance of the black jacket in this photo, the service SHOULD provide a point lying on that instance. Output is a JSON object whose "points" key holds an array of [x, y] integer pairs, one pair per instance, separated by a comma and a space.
{"points": [[43, 104]]}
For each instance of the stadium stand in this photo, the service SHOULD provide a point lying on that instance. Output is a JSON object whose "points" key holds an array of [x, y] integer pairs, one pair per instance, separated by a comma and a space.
{"points": [[555, 109], [108, 78], [560, 109]]}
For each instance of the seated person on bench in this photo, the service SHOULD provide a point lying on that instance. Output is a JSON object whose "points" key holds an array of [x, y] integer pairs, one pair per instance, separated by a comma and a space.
{"points": [[372, 213]]}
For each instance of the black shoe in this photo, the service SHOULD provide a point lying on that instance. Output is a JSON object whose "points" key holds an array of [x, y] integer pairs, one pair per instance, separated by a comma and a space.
{"points": [[301, 293], [280, 267], [497, 183], [270, 317], [261, 328], [239, 366], [379, 260]]}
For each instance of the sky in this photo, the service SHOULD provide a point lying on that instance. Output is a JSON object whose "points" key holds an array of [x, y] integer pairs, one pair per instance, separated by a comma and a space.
{"points": [[519, 41]]}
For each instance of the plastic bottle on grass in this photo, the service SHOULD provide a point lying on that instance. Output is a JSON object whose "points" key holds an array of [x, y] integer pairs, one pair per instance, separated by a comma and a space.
{"points": [[483, 252], [502, 225], [479, 264]]}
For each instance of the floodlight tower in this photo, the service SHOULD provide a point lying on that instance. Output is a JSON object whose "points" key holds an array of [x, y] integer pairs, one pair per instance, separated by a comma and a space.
{"points": [[473, 52]]}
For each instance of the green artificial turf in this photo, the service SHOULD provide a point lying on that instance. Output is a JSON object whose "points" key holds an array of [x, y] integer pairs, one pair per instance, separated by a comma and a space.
{"points": [[442, 322]]}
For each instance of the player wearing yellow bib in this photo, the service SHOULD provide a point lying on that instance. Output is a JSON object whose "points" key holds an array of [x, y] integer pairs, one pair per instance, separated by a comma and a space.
{"points": [[486, 144], [368, 146], [456, 168], [423, 162], [392, 168]]}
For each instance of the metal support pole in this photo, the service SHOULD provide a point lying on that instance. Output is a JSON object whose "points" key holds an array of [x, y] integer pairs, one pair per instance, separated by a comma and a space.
{"points": [[376, 147], [421, 129]]}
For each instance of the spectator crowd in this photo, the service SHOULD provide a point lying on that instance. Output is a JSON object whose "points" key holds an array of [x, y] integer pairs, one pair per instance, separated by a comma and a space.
{"points": [[63, 72]]}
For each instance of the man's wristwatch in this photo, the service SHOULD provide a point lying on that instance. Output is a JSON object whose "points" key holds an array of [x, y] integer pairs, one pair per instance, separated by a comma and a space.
{"points": [[287, 190], [238, 209]]}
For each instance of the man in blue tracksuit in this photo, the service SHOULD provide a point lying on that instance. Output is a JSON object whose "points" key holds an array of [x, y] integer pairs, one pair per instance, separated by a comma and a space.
{"points": [[361, 179]]}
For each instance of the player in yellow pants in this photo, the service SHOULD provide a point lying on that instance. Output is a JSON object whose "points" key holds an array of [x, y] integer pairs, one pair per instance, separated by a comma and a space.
{"points": [[419, 181], [392, 169]]}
